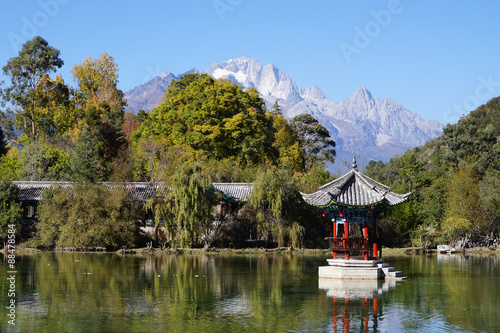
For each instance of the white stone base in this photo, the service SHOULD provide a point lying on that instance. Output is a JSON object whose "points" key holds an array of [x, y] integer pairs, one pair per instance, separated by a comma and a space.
{"points": [[339, 272], [355, 269]]}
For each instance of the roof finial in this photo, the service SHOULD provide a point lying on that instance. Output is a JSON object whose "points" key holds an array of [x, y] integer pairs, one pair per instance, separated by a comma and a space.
{"points": [[354, 165]]}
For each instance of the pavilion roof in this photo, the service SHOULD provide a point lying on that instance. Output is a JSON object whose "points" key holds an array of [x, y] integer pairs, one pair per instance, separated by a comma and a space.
{"points": [[354, 189]]}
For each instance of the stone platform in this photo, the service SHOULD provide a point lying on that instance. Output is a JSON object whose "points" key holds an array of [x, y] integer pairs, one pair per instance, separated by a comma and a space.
{"points": [[359, 269]]}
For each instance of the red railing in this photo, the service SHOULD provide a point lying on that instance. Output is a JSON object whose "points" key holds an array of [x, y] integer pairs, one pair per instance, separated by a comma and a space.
{"points": [[351, 244]]}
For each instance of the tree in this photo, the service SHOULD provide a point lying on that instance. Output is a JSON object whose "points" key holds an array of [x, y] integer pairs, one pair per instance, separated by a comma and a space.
{"points": [[275, 200], [87, 215], [97, 81], [88, 162], [57, 113], [99, 142], [189, 206], [212, 118], [463, 203], [11, 212], [314, 139], [287, 145], [35, 61], [3, 143]]}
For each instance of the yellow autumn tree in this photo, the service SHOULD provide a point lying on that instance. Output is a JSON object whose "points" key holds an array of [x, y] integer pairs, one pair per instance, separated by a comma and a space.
{"points": [[97, 80], [57, 114]]}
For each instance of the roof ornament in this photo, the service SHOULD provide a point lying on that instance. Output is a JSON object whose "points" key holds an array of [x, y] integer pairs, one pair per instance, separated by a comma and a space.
{"points": [[354, 165]]}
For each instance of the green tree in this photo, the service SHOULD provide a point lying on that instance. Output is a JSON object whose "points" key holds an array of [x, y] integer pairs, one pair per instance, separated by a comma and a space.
{"points": [[212, 118], [275, 200], [57, 113], [187, 210], [87, 215], [3, 143], [11, 212], [88, 162], [287, 145], [99, 142], [35, 60], [192, 206], [314, 139], [463, 203]]}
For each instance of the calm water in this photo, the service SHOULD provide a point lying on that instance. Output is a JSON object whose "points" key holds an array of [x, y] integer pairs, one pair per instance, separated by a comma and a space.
{"points": [[76, 292]]}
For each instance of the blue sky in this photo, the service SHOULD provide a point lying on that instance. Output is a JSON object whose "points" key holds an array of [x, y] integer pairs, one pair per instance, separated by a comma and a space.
{"points": [[438, 59]]}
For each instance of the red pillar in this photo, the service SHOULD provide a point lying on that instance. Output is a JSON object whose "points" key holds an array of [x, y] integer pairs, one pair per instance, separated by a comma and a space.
{"points": [[346, 236], [365, 235], [375, 240], [334, 236]]}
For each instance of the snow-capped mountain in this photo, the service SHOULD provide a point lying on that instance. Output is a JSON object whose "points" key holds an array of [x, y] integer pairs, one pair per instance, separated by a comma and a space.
{"points": [[269, 80], [370, 127]]}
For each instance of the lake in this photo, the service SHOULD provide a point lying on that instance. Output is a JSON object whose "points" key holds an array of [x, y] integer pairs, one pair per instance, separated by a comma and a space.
{"points": [[280, 292]]}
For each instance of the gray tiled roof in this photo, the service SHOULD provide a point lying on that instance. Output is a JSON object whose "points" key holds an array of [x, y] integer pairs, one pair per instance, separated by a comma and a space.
{"points": [[236, 191], [354, 189], [33, 191]]}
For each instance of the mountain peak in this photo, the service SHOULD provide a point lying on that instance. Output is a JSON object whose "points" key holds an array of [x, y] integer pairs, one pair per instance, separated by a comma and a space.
{"points": [[377, 129], [362, 94]]}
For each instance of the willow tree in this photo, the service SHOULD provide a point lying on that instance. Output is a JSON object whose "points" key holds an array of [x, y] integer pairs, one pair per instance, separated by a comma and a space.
{"points": [[275, 200], [188, 208]]}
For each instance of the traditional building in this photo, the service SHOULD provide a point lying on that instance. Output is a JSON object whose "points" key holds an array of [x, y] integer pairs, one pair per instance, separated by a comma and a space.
{"points": [[31, 193], [355, 202]]}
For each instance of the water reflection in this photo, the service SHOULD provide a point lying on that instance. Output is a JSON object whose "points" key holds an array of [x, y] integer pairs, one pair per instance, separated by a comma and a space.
{"points": [[77, 292], [356, 302]]}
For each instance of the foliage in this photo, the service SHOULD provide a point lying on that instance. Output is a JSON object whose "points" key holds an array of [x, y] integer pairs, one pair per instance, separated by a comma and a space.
{"points": [[97, 80], [455, 226], [453, 179], [86, 215], [3, 143], [314, 139], [274, 198], [9, 165], [57, 113], [463, 202], [213, 118], [11, 212], [28, 72], [188, 209], [98, 143], [88, 163], [290, 154]]}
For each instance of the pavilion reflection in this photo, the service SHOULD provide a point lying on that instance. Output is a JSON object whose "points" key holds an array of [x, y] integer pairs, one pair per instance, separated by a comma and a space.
{"points": [[356, 302]]}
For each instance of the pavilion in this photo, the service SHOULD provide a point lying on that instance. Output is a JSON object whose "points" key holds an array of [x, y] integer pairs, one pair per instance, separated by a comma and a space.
{"points": [[355, 203]]}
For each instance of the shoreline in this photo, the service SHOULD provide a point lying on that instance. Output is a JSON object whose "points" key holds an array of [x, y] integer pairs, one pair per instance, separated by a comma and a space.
{"points": [[21, 250]]}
